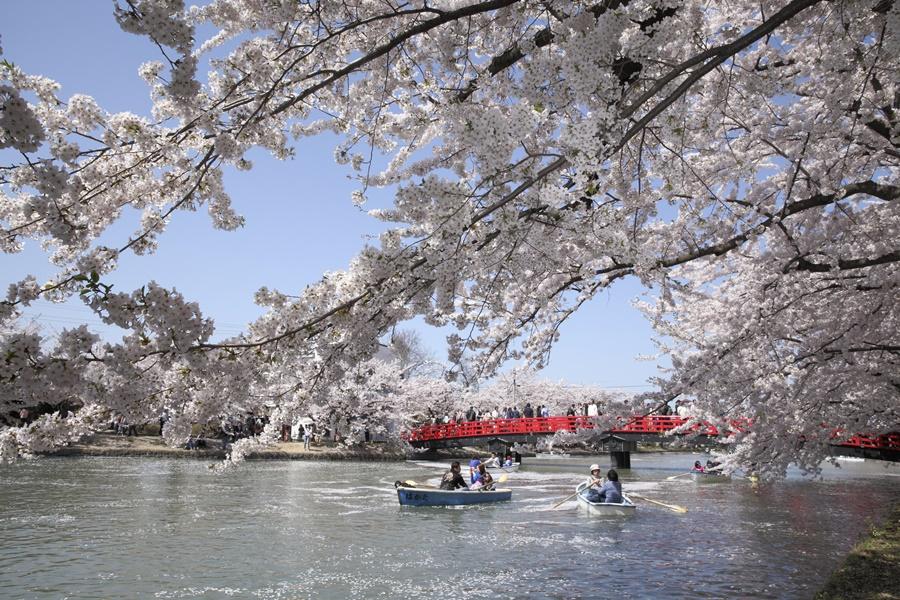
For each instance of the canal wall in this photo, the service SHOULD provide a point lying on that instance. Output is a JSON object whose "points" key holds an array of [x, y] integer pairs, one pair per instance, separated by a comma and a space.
{"points": [[153, 446], [872, 569]]}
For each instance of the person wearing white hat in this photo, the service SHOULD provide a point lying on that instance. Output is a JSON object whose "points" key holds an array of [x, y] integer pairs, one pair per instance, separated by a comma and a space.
{"points": [[610, 492], [590, 493]]}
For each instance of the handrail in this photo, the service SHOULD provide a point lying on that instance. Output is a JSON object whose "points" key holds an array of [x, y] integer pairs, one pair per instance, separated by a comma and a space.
{"points": [[641, 424]]}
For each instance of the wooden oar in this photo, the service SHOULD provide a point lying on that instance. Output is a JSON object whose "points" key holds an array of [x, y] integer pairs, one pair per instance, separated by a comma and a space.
{"points": [[672, 507], [501, 479], [677, 476], [567, 498], [413, 484]]}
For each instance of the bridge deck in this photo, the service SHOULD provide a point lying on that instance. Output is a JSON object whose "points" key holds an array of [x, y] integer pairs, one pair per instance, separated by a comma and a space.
{"points": [[639, 428]]}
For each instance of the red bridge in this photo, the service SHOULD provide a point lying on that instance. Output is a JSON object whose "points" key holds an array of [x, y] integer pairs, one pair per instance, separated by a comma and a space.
{"points": [[620, 439]]}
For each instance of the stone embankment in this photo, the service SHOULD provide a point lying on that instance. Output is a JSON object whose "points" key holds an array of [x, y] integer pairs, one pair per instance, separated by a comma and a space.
{"points": [[872, 569], [104, 444]]}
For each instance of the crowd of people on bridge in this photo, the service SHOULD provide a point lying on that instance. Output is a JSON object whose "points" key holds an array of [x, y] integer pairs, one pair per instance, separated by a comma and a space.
{"points": [[588, 409]]}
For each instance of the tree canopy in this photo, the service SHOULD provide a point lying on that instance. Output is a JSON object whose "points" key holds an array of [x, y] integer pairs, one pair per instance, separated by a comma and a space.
{"points": [[740, 158]]}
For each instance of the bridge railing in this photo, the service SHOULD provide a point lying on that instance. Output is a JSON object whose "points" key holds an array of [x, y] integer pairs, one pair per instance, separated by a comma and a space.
{"points": [[649, 424], [642, 424], [888, 441]]}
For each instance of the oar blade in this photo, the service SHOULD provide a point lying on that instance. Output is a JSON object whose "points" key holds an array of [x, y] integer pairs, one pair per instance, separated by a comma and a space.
{"points": [[673, 507]]}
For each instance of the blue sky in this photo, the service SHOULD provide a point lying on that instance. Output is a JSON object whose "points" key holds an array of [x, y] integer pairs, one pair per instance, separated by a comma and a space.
{"points": [[300, 221]]}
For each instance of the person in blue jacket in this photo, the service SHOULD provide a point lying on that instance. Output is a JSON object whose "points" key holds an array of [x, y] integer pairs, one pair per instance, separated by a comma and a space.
{"points": [[611, 491], [473, 469]]}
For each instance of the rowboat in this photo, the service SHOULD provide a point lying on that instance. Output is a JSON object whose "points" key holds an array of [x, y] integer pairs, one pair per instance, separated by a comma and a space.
{"points": [[510, 469], [710, 477], [421, 496], [603, 508]]}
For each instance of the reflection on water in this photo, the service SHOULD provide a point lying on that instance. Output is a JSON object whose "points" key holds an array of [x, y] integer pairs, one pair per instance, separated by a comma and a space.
{"points": [[141, 527]]}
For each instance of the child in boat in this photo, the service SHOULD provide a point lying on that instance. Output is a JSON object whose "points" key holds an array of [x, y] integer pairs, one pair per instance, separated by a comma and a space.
{"points": [[473, 469], [453, 479], [483, 479], [509, 461]]}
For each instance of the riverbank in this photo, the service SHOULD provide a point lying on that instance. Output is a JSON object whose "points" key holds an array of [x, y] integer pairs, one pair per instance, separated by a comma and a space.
{"points": [[872, 569], [106, 444]]}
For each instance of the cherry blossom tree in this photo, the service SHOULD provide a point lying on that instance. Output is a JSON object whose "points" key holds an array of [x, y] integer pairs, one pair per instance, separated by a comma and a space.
{"points": [[740, 158]]}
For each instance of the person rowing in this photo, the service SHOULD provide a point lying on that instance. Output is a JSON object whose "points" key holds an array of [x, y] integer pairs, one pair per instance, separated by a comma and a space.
{"points": [[493, 462], [473, 469], [610, 492], [453, 479], [712, 465], [483, 479], [590, 493]]}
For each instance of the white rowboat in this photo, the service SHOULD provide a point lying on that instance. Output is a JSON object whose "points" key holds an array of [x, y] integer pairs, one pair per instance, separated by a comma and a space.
{"points": [[603, 508], [710, 477]]}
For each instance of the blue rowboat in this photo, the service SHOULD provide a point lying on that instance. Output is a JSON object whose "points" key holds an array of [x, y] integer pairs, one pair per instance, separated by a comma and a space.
{"points": [[418, 496]]}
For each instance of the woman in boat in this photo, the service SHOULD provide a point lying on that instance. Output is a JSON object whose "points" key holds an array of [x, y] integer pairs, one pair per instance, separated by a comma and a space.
{"points": [[591, 494], [509, 461], [473, 469], [492, 462], [483, 479], [611, 491], [698, 467], [712, 465], [453, 479]]}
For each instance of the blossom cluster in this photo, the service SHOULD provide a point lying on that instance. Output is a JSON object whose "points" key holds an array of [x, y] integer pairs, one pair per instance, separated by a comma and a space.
{"points": [[740, 159]]}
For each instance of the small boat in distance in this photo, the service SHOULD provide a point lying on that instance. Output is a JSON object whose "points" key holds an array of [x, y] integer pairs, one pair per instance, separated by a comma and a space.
{"points": [[626, 508], [428, 496], [709, 476], [510, 469]]}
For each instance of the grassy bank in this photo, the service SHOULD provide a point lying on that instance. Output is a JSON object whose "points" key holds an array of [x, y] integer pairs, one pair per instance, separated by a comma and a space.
{"points": [[107, 444], [145, 445], [872, 570]]}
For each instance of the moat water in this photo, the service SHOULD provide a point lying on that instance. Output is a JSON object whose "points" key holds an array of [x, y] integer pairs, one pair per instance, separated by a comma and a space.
{"points": [[155, 528]]}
